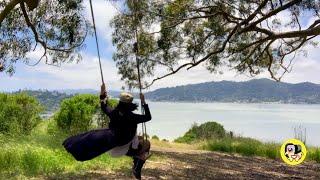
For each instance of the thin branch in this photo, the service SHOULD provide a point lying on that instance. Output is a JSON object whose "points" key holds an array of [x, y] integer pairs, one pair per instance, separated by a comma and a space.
{"points": [[297, 20], [169, 74], [270, 66], [272, 13], [159, 62]]}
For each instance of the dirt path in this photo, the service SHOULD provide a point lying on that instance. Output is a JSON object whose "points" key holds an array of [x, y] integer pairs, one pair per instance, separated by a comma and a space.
{"points": [[169, 163]]}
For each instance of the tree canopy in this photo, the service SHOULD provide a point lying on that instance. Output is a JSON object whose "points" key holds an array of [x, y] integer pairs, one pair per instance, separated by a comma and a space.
{"points": [[59, 27], [250, 36]]}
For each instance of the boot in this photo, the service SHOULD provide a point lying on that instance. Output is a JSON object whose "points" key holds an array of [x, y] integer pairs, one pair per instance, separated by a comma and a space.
{"points": [[135, 160], [137, 168]]}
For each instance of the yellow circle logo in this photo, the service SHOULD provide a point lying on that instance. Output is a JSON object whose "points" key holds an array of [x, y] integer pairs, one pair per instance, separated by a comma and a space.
{"points": [[293, 152]]}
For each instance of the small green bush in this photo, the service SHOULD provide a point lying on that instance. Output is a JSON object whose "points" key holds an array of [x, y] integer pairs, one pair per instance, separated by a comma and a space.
{"points": [[155, 137], [77, 113], [19, 113], [208, 130]]}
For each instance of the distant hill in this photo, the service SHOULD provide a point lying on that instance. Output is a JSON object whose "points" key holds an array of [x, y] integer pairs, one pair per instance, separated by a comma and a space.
{"points": [[253, 91], [49, 99], [78, 91], [111, 93]]}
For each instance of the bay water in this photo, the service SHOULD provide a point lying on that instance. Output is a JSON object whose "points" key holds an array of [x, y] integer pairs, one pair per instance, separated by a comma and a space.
{"points": [[266, 122]]}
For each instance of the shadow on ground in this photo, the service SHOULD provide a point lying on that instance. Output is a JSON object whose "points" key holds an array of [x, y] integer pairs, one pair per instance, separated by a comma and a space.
{"points": [[208, 165]]}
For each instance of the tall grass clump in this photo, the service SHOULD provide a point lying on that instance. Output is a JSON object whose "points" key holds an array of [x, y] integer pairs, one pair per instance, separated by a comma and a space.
{"points": [[314, 154], [244, 146], [222, 145], [247, 146], [271, 150]]}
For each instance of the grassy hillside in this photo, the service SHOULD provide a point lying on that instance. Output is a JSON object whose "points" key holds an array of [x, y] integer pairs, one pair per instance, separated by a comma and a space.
{"points": [[41, 153]]}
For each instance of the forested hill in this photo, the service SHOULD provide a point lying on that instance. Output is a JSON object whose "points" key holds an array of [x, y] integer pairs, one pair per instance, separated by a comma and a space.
{"points": [[49, 99], [258, 90]]}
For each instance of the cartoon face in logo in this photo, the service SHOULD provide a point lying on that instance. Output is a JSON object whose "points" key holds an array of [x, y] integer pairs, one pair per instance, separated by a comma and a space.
{"points": [[293, 152]]}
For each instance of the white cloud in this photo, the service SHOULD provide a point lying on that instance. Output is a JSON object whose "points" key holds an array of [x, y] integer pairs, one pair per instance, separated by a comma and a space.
{"points": [[82, 75], [104, 11], [85, 74]]}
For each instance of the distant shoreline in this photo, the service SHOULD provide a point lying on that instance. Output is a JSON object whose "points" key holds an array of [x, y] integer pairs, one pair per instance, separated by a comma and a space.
{"points": [[226, 102]]}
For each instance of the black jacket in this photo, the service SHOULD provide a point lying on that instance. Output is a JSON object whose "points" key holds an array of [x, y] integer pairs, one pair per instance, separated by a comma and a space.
{"points": [[124, 124]]}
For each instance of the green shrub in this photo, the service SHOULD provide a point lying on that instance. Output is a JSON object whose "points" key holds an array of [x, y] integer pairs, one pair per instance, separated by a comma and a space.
{"points": [[77, 114], [208, 130], [155, 137], [19, 113]]}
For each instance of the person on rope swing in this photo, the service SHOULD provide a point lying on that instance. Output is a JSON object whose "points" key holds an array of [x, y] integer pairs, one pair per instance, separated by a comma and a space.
{"points": [[119, 139]]}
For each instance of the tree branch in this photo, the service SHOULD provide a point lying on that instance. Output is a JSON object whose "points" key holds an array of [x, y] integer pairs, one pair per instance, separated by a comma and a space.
{"points": [[169, 74], [8, 8], [272, 13]]}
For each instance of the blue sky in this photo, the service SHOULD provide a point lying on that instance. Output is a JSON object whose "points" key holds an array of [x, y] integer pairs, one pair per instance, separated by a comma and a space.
{"points": [[85, 75]]}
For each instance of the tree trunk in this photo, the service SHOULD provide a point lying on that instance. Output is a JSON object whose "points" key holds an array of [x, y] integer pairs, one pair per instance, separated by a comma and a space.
{"points": [[32, 4]]}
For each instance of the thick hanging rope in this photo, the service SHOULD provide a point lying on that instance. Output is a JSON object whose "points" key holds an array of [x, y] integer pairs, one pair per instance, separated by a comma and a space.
{"points": [[144, 128], [95, 33], [136, 48]]}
